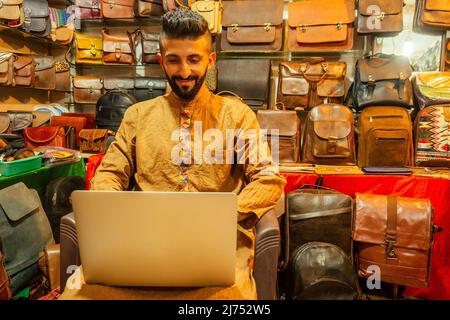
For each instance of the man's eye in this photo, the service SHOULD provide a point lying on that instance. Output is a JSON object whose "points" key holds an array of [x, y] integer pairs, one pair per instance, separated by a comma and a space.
{"points": [[172, 60], [194, 60]]}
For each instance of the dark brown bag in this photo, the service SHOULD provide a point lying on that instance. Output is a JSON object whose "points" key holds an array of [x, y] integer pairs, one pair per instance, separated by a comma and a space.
{"points": [[150, 46], [149, 88], [252, 25], [45, 75], [149, 8], [431, 16], [395, 234], [5, 290], [94, 140], [311, 82], [87, 89], [288, 125], [24, 71], [119, 48], [316, 25], [329, 136], [380, 17]]}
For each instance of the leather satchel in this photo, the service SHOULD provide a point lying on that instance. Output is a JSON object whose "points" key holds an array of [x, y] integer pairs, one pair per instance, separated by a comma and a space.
{"points": [[119, 48], [19, 120], [431, 88], [45, 136], [316, 25], [62, 76], [88, 49], [211, 11], [252, 25], [87, 89], [150, 8], [24, 71], [90, 118], [77, 123], [126, 84], [45, 74], [5, 290], [396, 234], [247, 78], [150, 46], [11, 12], [6, 68], [431, 16], [380, 17], [149, 88], [285, 127], [88, 9], [329, 136], [382, 80], [118, 9], [311, 82], [94, 140], [37, 17]]}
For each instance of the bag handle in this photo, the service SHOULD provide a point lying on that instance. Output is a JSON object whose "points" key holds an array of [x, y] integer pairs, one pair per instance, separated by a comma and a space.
{"points": [[221, 93], [313, 186]]}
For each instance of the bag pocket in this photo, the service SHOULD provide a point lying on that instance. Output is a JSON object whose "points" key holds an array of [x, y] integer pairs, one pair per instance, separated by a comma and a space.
{"points": [[387, 147]]}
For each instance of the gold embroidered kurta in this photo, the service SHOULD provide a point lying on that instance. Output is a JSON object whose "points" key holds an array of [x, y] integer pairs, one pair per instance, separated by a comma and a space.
{"points": [[150, 147]]}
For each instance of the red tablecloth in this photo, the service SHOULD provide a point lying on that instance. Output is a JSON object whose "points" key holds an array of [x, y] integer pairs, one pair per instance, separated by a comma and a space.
{"points": [[435, 189]]}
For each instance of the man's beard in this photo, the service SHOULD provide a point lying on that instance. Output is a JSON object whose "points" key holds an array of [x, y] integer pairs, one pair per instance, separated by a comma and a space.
{"points": [[184, 93]]}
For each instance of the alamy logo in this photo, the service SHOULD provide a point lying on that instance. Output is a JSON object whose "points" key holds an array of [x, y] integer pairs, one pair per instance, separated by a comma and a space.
{"points": [[375, 18], [374, 280]]}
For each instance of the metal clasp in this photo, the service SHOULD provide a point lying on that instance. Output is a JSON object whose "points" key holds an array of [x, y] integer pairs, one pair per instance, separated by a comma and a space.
{"points": [[234, 27], [390, 248], [371, 79], [93, 51], [267, 26], [381, 16], [339, 25], [303, 27]]}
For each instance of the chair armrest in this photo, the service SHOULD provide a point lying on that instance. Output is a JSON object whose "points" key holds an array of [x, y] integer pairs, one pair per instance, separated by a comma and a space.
{"points": [[267, 251], [70, 256]]}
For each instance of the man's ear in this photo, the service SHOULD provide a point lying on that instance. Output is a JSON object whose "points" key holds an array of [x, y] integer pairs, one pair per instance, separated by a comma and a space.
{"points": [[212, 58], [159, 58]]}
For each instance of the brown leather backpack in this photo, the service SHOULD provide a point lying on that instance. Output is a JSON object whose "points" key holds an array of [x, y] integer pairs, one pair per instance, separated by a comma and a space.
{"points": [[329, 135]]}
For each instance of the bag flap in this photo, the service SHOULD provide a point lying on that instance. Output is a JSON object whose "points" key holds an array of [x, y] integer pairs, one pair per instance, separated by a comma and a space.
{"points": [[326, 12], [36, 8], [203, 6], [414, 221], [87, 43], [42, 134], [286, 122], [334, 70], [118, 83], [94, 134], [435, 79], [322, 34], [87, 82], [16, 201], [297, 86], [12, 2], [149, 36], [116, 44], [20, 119], [386, 67], [365, 7], [64, 121], [150, 83], [40, 118], [332, 129], [4, 121], [437, 5], [252, 35], [331, 121], [126, 3], [252, 13], [22, 61], [88, 3], [150, 46], [43, 63]]}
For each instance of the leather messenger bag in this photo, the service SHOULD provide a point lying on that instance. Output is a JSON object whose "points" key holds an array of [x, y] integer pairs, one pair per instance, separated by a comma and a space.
{"points": [[119, 48], [87, 89], [148, 8], [37, 17], [118, 9], [24, 71], [11, 12], [88, 9], [88, 49], [321, 25], [431, 16], [396, 234], [45, 74], [380, 17], [252, 25]]}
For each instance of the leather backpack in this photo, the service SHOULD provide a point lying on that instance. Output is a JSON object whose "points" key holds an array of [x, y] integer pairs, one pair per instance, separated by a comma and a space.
{"points": [[380, 17], [329, 136], [111, 108]]}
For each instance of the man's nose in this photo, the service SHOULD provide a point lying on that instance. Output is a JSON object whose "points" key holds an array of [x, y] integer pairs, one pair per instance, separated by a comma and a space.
{"points": [[185, 70]]}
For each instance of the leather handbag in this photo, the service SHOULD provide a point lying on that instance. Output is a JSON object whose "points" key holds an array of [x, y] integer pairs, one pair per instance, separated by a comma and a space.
{"points": [[45, 136], [212, 12], [251, 83], [37, 17], [385, 137], [87, 89], [311, 82], [90, 118], [329, 136], [19, 120], [252, 25], [396, 234], [316, 25], [5, 290], [119, 48], [78, 123], [45, 73], [24, 71], [11, 12], [150, 8], [88, 9], [431, 16], [94, 140], [118, 9], [380, 17], [431, 88], [111, 107], [283, 126], [150, 46], [6, 68], [124, 84], [88, 49], [149, 88], [62, 76], [382, 80]]}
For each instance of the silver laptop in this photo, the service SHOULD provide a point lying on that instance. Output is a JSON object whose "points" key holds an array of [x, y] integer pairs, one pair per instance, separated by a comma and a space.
{"points": [[163, 239]]}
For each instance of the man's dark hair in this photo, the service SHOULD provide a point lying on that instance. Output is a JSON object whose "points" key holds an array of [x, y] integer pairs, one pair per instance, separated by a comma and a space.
{"points": [[184, 24]]}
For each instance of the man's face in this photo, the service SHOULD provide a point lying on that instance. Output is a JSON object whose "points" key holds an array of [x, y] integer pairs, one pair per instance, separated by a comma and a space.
{"points": [[185, 62]]}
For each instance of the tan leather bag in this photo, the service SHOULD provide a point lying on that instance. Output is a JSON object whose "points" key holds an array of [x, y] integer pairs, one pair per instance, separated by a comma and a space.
{"points": [[24, 71], [211, 11], [12, 12], [94, 140], [329, 136], [432, 15], [311, 82], [62, 69], [395, 234], [321, 25], [380, 17], [87, 89], [149, 8], [288, 125], [45, 75], [119, 48], [118, 9], [6, 68], [88, 49], [252, 25], [45, 136]]}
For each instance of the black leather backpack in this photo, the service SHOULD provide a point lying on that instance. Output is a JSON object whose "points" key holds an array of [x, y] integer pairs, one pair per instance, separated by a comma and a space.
{"points": [[111, 107]]}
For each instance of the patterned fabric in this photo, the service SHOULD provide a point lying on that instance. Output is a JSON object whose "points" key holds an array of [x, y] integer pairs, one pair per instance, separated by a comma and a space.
{"points": [[185, 153], [433, 138], [59, 17]]}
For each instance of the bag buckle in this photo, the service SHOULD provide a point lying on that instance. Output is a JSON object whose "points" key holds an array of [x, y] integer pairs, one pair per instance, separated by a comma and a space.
{"points": [[371, 80], [338, 25], [267, 26], [303, 27], [27, 16], [93, 50], [234, 27], [381, 16], [390, 249]]}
